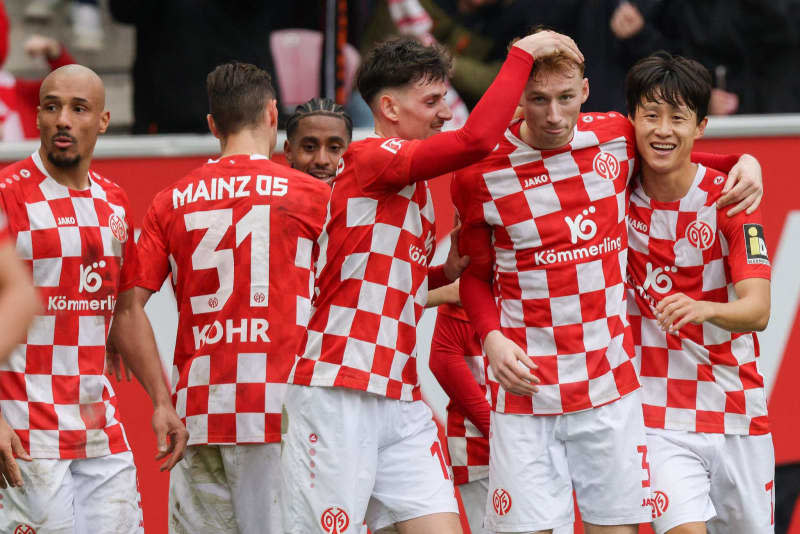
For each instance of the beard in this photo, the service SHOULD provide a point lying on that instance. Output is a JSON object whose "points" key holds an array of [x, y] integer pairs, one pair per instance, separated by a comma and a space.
{"points": [[63, 161]]}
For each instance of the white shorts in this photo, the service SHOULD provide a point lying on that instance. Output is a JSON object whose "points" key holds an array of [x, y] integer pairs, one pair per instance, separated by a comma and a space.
{"points": [[226, 488], [536, 461], [350, 455], [65, 496], [474, 496], [725, 480]]}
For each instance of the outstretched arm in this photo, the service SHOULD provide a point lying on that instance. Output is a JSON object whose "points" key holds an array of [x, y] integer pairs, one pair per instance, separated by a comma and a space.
{"points": [[449, 151], [132, 335]]}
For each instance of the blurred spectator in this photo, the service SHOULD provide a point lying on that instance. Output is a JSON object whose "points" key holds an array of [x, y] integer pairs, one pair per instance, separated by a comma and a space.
{"points": [[87, 27], [750, 47], [476, 32], [178, 42], [19, 98], [612, 35]]}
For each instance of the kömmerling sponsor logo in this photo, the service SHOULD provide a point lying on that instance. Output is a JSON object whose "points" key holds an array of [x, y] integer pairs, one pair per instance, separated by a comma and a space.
{"points": [[551, 257]]}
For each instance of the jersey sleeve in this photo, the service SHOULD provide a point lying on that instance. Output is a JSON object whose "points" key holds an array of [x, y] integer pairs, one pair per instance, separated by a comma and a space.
{"points": [[382, 166], [130, 262], [747, 248], [154, 265]]}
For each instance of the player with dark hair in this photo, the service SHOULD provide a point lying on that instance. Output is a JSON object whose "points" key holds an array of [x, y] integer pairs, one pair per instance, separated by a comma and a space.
{"points": [[544, 225], [360, 442], [58, 409], [317, 134], [237, 239], [698, 288]]}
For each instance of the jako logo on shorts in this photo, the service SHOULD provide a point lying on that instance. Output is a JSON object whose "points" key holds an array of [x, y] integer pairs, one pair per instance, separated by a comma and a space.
{"points": [[334, 520], [501, 501], [659, 502]]}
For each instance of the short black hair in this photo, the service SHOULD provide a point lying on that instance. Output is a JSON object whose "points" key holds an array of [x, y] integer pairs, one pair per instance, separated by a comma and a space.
{"points": [[237, 95], [318, 106], [400, 61], [676, 80]]}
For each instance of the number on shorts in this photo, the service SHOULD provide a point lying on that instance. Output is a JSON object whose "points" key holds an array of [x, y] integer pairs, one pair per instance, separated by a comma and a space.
{"points": [[770, 487], [254, 223], [436, 450], [642, 449]]}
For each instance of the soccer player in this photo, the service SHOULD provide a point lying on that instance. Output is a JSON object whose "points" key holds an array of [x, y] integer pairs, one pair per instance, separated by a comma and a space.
{"points": [[698, 289], [237, 237], [70, 225], [543, 221], [359, 438], [317, 134], [18, 300]]}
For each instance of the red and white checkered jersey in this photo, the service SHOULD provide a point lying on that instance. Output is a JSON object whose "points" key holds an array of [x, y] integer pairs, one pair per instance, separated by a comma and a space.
{"points": [[238, 235], [80, 248], [372, 275], [467, 446], [704, 378], [557, 219]]}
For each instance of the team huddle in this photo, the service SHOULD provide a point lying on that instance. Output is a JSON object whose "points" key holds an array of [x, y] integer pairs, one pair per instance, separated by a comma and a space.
{"points": [[595, 332]]}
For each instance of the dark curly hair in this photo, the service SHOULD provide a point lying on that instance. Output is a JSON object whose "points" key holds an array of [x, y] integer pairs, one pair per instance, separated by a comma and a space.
{"points": [[318, 106]]}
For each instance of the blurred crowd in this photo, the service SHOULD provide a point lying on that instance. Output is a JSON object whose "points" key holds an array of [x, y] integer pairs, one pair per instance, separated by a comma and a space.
{"points": [[751, 48]]}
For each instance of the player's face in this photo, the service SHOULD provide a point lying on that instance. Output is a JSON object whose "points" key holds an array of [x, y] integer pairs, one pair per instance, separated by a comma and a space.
{"points": [[551, 103], [421, 109], [317, 146], [70, 117], [665, 135]]}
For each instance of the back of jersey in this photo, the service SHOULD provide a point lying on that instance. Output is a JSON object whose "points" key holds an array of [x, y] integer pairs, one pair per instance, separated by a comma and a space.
{"points": [[238, 236]]}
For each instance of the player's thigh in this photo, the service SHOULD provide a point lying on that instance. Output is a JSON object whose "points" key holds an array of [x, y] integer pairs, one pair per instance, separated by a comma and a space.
{"points": [[199, 494], [329, 458], [606, 452], [529, 481], [474, 496], [43, 503], [679, 475], [413, 479], [742, 486], [107, 495], [254, 478]]}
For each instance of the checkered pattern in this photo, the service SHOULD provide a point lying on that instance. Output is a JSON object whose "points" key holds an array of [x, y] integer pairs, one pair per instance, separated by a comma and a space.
{"points": [[558, 224], [79, 246], [230, 282], [468, 448], [372, 276], [704, 378]]}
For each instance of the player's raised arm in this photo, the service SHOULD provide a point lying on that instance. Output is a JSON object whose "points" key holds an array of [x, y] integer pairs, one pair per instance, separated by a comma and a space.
{"points": [[450, 151]]}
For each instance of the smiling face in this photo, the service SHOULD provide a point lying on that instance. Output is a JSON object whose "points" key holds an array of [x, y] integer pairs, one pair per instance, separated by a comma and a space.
{"points": [[551, 104], [71, 115], [317, 145], [419, 109], [665, 135]]}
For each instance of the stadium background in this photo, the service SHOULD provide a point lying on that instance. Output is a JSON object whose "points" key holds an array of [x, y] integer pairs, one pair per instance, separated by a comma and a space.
{"points": [[144, 166]]}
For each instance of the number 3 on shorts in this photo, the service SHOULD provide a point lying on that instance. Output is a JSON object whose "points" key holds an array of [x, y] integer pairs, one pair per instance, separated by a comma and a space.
{"points": [[436, 450]]}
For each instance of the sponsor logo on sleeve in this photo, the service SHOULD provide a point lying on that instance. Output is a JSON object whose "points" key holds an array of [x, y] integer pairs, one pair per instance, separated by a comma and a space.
{"points": [[755, 246], [392, 145]]}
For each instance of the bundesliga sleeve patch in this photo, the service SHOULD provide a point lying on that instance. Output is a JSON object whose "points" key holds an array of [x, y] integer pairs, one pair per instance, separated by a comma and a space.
{"points": [[754, 244]]}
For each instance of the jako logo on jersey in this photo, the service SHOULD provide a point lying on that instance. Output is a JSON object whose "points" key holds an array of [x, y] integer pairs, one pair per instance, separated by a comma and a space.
{"points": [[334, 520], [579, 227], [89, 280], [700, 234], [392, 145], [606, 165], [658, 279], [65, 221], [659, 503], [118, 228], [639, 226], [22, 528], [501, 501], [536, 180]]}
